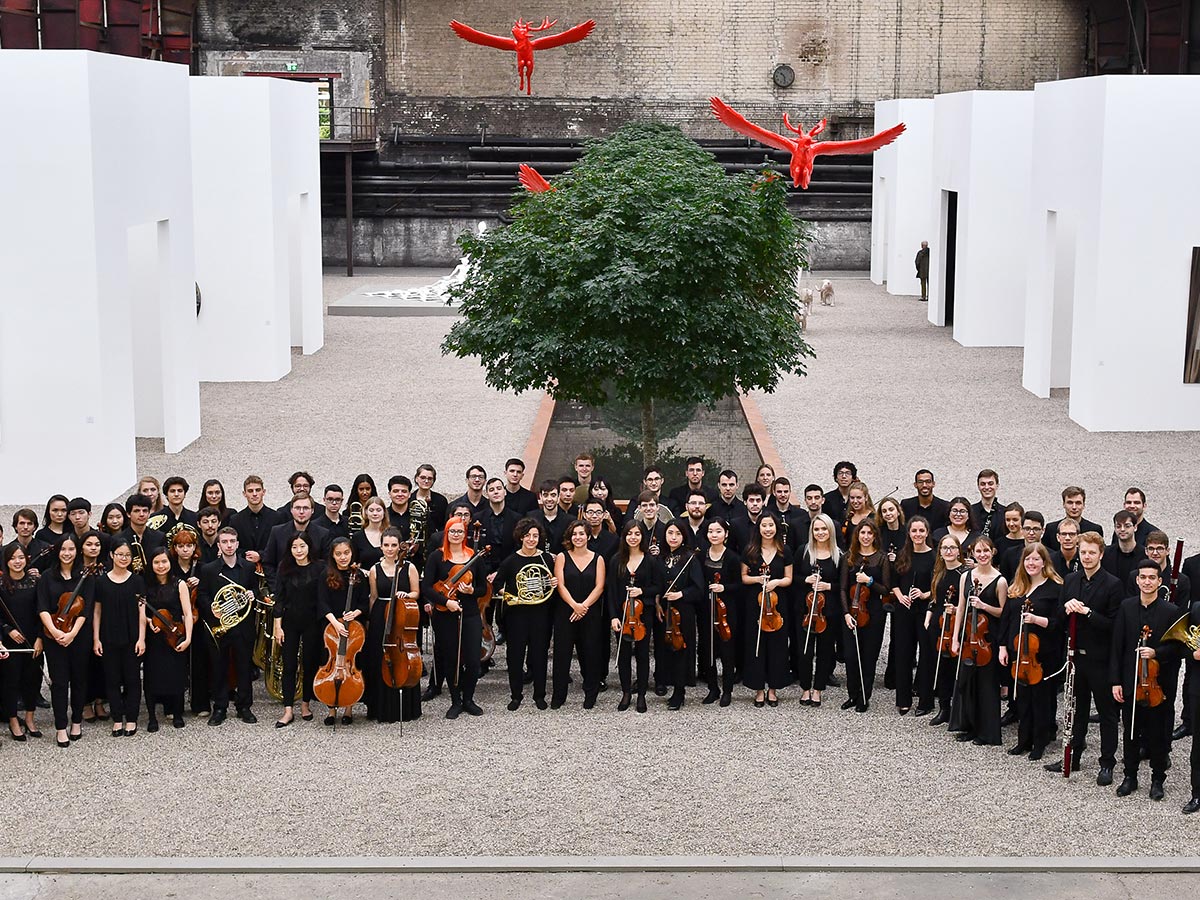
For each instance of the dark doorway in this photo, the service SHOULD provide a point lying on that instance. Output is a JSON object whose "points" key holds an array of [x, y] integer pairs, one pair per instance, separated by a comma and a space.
{"points": [[1191, 360], [948, 255]]}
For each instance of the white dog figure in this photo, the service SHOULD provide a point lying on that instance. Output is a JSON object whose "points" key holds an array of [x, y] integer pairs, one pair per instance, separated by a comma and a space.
{"points": [[827, 293], [806, 305]]}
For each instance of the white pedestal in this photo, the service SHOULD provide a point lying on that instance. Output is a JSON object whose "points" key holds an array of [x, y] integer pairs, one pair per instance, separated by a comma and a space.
{"points": [[982, 151], [900, 207], [98, 332], [257, 196]]}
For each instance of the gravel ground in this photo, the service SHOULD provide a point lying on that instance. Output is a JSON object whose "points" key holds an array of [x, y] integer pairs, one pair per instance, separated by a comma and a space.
{"points": [[701, 781]]}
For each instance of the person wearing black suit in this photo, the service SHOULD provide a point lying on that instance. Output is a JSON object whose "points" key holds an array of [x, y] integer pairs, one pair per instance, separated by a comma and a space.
{"points": [[254, 523], [845, 473], [281, 537], [143, 541], [935, 510], [1073, 499], [677, 498], [227, 579]]}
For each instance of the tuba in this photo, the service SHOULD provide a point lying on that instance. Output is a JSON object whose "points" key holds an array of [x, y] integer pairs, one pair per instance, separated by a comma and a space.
{"points": [[273, 674], [418, 510], [157, 521], [230, 607]]}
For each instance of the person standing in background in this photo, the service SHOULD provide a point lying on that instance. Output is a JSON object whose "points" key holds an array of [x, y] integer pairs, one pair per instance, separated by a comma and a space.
{"points": [[922, 263]]}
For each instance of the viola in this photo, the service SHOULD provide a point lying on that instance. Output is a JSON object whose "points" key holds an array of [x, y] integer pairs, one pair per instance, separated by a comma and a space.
{"points": [[814, 602], [171, 629], [769, 617], [339, 682], [70, 605], [1147, 691], [1026, 668], [720, 612], [459, 575], [631, 621], [860, 594], [976, 649], [402, 665]]}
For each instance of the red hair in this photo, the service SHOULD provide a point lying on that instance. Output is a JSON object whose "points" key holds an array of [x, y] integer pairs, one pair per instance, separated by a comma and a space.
{"points": [[446, 536]]}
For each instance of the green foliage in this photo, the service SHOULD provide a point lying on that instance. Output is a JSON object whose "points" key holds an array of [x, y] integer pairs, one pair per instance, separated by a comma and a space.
{"points": [[647, 274]]}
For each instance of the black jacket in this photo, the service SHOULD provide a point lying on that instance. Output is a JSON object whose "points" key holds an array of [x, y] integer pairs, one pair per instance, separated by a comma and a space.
{"points": [[1102, 594]]}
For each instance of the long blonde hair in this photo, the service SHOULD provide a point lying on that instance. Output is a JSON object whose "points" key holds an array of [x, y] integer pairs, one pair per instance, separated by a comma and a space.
{"points": [[1021, 583]]}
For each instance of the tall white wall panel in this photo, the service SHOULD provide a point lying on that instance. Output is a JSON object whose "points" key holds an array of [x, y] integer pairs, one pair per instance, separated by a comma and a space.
{"points": [[900, 205]]}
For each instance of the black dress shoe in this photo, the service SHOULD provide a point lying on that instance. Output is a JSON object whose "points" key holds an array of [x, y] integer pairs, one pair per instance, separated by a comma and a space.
{"points": [[1104, 777], [760, 703], [539, 702], [307, 718], [1127, 787], [625, 701], [862, 707], [67, 743], [250, 718], [771, 702], [454, 711], [676, 700], [329, 721], [589, 701], [347, 720], [903, 710], [941, 718], [1156, 789], [177, 721], [74, 737], [850, 704], [429, 693], [660, 690], [833, 682], [963, 736], [712, 696], [514, 704], [1180, 733], [922, 711], [118, 732], [1037, 753], [1009, 717], [1192, 806], [217, 717], [726, 699], [471, 708], [284, 723], [1055, 767], [641, 703], [557, 702], [152, 726], [814, 703], [1018, 750]]}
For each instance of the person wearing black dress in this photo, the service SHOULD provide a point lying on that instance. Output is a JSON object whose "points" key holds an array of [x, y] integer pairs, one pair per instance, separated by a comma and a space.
{"points": [[865, 564], [766, 567], [457, 625], [820, 558], [913, 570], [185, 552], [525, 582], [634, 576], [579, 627], [21, 673], [722, 573], [166, 672], [943, 601], [683, 588], [93, 548], [1037, 585], [67, 654], [982, 591], [390, 582], [298, 628], [342, 596], [366, 542], [119, 633]]}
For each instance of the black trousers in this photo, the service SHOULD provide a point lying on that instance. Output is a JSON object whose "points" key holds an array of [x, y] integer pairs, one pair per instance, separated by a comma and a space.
{"points": [[1185, 717], [906, 624], [1092, 683], [308, 635], [587, 639], [1151, 728], [20, 679], [680, 671], [68, 667], [1036, 708], [1195, 759], [528, 641], [446, 649], [870, 643], [123, 680], [238, 646], [627, 650], [926, 661], [712, 650], [819, 652]]}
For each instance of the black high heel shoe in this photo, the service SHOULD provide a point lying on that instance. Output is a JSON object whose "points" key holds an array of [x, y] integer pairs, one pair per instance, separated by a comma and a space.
{"points": [[626, 698]]}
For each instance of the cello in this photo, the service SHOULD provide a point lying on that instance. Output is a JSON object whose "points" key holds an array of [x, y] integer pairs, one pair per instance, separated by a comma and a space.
{"points": [[402, 665], [339, 682]]}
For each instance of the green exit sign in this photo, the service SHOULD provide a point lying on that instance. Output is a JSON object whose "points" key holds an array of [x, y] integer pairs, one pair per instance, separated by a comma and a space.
{"points": [[292, 67]]}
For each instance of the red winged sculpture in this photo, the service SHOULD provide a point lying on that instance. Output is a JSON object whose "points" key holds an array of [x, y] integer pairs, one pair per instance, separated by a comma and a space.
{"points": [[521, 42], [532, 180], [805, 146]]}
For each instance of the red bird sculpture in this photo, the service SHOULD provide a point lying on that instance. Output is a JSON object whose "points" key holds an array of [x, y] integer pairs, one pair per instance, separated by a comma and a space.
{"points": [[532, 180], [805, 146], [521, 42]]}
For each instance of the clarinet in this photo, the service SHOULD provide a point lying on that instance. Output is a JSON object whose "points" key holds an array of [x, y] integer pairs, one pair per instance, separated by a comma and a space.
{"points": [[1069, 699]]}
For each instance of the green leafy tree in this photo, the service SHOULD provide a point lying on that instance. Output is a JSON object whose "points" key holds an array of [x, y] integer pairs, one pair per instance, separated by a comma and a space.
{"points": [[646, 275]]}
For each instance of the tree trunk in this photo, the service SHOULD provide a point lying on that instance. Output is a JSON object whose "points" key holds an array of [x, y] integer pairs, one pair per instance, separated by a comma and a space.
{"points": [[649, 434]]}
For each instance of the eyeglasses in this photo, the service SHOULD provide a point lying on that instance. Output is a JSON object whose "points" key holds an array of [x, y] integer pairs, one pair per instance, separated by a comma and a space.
{"points": [[1032, 529]]}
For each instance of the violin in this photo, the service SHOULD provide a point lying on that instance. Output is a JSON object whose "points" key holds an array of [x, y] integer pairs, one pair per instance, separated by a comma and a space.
{"points": [[945, 640], [171, 629], [976, 649], [402, 665], [814, 602], [1026, 668], [1147, 691], [860, 593], [673, 618], [769, 617], [631, 620], [70, 605], [460, 574], [339, 682], [720, 612]]}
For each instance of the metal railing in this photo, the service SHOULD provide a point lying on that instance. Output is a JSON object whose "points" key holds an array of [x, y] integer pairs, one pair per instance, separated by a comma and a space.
{"points": [[349, 124]]}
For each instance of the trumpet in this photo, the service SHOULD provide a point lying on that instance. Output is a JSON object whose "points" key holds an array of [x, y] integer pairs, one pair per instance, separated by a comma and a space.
{"points": [[139, 555]]}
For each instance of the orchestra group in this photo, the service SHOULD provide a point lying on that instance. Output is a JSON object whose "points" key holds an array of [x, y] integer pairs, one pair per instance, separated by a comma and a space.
{"points": [[990, 612]]}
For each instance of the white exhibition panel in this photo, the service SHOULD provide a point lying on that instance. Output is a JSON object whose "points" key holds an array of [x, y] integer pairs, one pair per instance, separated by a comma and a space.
{"points": [[982, 149], [257, 198], [97, 314], [900, 210], [1133, 252]]}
